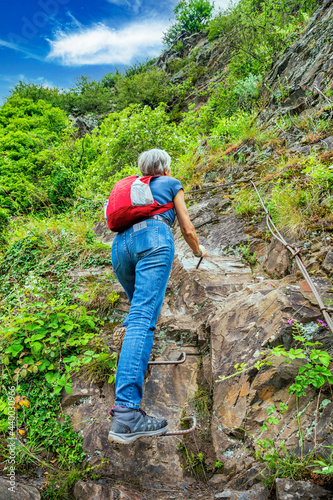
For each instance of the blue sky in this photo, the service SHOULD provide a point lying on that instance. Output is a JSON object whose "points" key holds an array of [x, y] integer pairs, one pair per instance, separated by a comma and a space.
{"points": [[52, 41]]}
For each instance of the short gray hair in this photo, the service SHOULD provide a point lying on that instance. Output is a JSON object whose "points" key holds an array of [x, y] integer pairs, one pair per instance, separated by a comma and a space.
{"points": [[154, 161]]}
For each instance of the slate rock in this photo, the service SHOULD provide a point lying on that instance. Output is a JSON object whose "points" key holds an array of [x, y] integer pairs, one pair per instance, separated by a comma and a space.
{"points": [[328, 262], [277, 262], [302, 67], [258, 492], [329, 142], [93, 491], [287, 489], [21, 491]]}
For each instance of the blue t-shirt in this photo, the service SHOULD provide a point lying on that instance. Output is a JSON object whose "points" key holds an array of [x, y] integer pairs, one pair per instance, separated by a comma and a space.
{"points": [[164, 189]]}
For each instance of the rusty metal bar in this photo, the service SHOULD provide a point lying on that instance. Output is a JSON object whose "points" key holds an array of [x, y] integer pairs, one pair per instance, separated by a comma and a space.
{"points": [[178, 362], [186, 431], [295, 253], [199, 262]]}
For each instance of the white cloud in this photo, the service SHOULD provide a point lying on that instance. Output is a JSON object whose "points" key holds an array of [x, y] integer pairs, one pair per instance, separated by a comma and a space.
{"points": [[133, 5], [17, 48], [100, 44]]}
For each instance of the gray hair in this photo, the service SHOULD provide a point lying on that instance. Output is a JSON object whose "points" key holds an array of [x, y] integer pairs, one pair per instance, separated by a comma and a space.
{"points": [[154, 161]]}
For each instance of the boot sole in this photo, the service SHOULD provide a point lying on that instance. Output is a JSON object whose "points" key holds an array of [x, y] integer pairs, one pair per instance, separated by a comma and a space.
{"points": [[129, 438]]}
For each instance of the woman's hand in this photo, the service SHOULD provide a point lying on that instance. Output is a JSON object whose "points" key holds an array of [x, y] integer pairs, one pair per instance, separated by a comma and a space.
{"points": [[186, 226], [202, 252]]}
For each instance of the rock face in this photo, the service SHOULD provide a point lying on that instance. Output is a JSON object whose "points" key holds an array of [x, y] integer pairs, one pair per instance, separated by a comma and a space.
{"points": [[258, 492], [287, 489], [146, 461], [303, 71], [221, 314], [21, 491], [212, 56], [94, 491]]}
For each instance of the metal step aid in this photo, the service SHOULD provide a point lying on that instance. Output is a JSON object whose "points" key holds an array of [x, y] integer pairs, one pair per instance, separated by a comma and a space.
{"points": [[183, 432], [179, 361]]}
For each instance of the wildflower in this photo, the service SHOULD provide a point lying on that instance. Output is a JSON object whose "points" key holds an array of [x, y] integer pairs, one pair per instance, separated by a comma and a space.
{"points": [[291, 321], [321, 322], [227, 110]]}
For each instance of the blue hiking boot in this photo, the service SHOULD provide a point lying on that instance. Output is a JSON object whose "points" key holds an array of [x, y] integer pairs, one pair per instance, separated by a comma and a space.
{"points": [[127, 425]]}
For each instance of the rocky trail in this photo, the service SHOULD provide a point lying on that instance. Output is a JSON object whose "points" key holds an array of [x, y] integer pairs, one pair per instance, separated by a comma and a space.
{"points": [[220, 314]]}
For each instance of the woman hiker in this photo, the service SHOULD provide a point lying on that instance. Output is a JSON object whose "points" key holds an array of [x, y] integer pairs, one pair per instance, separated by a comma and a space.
{"points": [[141, 258]]}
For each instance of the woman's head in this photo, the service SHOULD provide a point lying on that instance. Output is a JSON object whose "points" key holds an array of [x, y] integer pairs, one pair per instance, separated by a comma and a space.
{"points": [[154, 162]]}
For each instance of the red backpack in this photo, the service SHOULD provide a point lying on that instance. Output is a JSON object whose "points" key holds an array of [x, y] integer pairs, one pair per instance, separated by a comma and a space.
{"points": [[131, 201]]}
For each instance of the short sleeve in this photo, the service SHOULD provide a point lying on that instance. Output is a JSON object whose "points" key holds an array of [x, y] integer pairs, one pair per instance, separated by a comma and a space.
{"points": [[175, 186]]}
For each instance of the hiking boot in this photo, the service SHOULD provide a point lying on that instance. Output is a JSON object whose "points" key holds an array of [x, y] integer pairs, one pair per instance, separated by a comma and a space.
{"points": [[118, 336], [127, 425]]}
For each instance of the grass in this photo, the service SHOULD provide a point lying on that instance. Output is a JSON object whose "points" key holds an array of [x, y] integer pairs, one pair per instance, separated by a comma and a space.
{"points": [[42, 250], [246, 202]]}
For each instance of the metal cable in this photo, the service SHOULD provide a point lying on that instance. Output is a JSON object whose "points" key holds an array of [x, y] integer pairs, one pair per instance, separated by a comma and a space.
{"points": [[295, 253]]}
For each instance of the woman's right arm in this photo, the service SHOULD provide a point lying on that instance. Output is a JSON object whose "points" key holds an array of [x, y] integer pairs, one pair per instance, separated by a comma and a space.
{"points": [[186, 226]]}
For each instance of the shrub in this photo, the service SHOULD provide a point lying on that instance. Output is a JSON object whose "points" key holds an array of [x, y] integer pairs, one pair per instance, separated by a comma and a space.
{"points": [[110, 79], [231, 97], [149, 88], [123, 136], [139, 67], [293, 206], [179, 47], [4, 224], [28, 133], [35, 92], [89, 96], [191, 15]]}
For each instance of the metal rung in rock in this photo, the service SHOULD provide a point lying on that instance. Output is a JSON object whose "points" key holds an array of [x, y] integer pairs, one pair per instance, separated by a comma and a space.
{"points": [[187, 431], [178, 362]]}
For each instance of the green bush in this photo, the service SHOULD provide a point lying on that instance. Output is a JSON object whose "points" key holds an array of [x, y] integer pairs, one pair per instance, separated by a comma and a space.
{"points": [[110, 79], [87, 95], [28, 90], [42, 345], [149, 88], [177, 64], [139, 67], [123, 136], [4, 225], [228, 109], [63, 184], [29, 134], [179, 47], [191, 16]]}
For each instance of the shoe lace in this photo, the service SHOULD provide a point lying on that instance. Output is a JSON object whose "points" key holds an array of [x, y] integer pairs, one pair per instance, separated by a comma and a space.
{"points": [[143, 413]]}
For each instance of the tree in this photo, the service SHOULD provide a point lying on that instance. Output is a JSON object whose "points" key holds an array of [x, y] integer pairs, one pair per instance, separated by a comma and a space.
{"points": [[191, 15]]}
